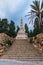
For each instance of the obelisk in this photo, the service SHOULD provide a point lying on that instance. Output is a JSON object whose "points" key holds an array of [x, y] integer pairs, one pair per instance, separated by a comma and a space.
{"points": [[21, 33]]}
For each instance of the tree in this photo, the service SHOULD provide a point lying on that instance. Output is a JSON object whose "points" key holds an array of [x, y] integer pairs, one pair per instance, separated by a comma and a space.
{"points": [[12, 32], [1, 26], [8, 28], [36, 11], [36, 28], [4, 25], [31, 33], [18, 29], [26, 29]]}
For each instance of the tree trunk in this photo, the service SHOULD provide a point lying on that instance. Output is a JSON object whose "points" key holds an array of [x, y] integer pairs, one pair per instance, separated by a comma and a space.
{"points": [[39, 20]]}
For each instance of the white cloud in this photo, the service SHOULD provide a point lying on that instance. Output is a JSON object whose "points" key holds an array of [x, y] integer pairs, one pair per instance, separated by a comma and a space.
{"points": [[9, 6], [2, 7], [13, 5], [2, 14]]}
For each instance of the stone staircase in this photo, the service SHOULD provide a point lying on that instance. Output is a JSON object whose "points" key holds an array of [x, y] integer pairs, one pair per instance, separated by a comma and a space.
{"points": [[24, 51], [1, 50]]}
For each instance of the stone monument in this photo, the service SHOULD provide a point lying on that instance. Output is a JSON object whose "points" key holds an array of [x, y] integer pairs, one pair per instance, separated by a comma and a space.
{"points": [[21, 33]]}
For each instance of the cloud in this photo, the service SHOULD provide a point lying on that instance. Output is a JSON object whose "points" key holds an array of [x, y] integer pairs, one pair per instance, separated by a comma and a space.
{"points": [[2, 6], [13, 5], [2, 14], [14, 9], [9, 6]]}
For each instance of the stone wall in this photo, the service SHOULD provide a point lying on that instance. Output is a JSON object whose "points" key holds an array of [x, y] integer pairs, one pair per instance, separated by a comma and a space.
{"points": [[3, 47], [38, 42], [4, 37]]}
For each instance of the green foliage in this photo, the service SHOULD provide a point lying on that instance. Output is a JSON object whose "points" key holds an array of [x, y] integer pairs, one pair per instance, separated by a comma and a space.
{"points": [[18, 28], [35, 37], [5, 25], [8, 42], [12, 32], [31, 33], [12, 26], [31, 40], [26, 29], [1, 26], [36, 11], [8, 28], [36, 30]]}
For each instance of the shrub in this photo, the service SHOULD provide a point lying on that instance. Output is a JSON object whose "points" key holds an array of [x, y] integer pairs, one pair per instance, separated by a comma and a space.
{"points": [[35, 37], [8, 42], [31, 40]]}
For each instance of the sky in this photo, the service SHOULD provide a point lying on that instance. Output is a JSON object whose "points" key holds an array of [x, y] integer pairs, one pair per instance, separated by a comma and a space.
{"points": [[15, 9]]}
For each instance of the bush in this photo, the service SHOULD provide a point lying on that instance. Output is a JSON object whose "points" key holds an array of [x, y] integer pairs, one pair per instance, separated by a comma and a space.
{"points": [[35, 37], [8, 42], [31, 40]]}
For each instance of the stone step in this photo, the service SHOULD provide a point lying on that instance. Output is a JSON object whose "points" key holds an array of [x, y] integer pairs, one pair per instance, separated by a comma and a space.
{"points": [[25, 57], [23, 50], [35, 59]]}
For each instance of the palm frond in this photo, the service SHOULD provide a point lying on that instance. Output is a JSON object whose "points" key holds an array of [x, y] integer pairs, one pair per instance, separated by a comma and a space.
{"points": [[35, 5], [34, 11]]}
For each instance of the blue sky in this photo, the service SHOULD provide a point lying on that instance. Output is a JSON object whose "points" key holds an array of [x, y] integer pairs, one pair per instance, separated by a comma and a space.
{"points": [[14, 9]]}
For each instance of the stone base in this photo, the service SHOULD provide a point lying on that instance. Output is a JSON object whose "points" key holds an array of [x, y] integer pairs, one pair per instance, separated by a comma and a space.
{"points": [[23, 36]]}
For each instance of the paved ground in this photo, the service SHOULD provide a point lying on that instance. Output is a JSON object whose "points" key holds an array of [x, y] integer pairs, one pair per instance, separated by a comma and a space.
{"points": [[20, 63]]}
